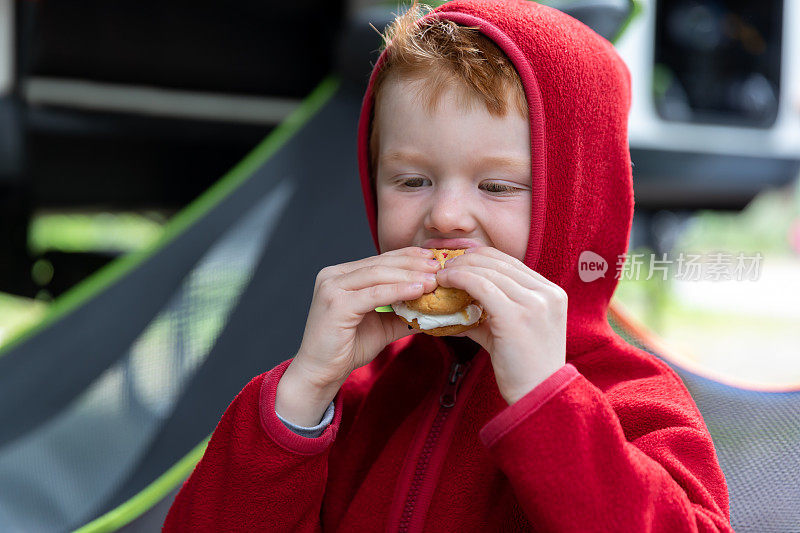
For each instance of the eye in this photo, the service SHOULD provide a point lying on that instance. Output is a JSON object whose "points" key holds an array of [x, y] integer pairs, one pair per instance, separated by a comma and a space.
{"points": [[497, 188], [406, 182]]}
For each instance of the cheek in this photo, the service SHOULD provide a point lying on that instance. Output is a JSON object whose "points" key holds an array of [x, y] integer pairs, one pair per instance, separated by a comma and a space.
{"points": [[523, 232], [396, 222], [510, 232]]}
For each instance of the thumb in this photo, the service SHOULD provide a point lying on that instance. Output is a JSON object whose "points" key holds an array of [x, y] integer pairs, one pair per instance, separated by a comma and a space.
{"points": [[479, 334], [395, 327]]}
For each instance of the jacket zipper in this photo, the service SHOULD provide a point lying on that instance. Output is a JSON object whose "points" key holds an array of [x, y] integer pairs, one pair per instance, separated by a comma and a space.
{"points": [[446, 401]]}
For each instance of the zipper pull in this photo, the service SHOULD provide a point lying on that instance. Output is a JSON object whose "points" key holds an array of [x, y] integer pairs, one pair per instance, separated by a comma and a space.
{"points": [[448, 397]]}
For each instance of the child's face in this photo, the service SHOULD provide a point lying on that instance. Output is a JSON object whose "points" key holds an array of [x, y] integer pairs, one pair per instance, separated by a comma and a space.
{"points": [[446, 186]]}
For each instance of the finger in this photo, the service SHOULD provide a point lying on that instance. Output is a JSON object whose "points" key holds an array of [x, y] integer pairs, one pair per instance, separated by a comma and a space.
{"points": [[365, 300], [369, 276], [488, 251], [482, 284], [395, 327], [472, 278], [523, 278], [392, 257], [479, 334], [400, 255], [412, 251], [410, 260], [479, 280], [537, 285]]}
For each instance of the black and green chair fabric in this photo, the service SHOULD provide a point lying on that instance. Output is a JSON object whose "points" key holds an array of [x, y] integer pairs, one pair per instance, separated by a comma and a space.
{"points": [[106, 406]]}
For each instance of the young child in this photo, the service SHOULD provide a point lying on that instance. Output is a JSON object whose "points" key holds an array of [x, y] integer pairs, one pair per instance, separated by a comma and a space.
{"points": [[498, 126]]}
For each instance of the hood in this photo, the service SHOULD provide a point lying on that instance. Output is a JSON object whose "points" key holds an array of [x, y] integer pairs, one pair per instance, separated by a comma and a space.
{"points": [[578, 94]]}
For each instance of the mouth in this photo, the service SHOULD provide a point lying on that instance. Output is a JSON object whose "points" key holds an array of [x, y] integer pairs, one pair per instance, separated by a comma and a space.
{"points": [[452, 244]]}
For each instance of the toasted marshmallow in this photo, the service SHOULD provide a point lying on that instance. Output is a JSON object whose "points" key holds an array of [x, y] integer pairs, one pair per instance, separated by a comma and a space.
{"points": [[467, 316]]}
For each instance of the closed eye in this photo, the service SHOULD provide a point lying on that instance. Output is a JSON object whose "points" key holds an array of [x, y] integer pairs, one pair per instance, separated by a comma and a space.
{"points": [[491, 187], [411, 180], [496, 187]]}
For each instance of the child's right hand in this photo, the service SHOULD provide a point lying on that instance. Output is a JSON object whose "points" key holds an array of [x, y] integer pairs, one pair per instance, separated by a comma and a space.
{"points": [[343, 331]]}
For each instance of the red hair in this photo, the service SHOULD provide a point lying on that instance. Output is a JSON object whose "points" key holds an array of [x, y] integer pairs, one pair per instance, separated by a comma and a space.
{"points": [[440, 54]]}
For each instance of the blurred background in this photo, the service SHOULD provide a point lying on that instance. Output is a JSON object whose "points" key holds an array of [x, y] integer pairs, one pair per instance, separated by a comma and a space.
{"points": [[115, 116]]}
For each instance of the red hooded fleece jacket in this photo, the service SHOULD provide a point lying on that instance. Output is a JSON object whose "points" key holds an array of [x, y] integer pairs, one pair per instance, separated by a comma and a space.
{"points": [[612, 441]]}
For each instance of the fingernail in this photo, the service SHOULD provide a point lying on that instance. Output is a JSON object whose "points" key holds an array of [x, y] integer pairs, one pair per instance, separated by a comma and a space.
{"points": [[430, 277]]}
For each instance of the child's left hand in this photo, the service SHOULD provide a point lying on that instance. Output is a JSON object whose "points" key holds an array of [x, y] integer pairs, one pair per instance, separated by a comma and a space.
{"points": [[525, 332]]}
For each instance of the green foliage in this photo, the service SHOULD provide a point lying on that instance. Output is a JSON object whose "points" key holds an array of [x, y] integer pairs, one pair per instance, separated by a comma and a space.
{"points": [[763, 226], [82, 232]]}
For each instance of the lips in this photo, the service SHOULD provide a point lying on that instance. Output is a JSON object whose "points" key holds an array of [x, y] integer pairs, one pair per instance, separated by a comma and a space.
{"points": [[452, 244]]}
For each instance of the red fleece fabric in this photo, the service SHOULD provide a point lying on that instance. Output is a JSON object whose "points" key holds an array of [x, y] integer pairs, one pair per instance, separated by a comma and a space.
{"points": [[612, 441]]}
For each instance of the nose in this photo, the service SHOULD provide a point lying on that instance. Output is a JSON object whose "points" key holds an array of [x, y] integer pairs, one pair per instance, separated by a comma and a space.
{"points": [[451, 210]]}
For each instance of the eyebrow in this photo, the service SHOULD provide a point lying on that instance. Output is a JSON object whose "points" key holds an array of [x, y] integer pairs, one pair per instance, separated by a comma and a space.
{"points": [[493, 160]]}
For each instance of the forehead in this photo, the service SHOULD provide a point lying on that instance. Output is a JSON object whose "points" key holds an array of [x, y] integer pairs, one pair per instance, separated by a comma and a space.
{"points": [[458, 127]]}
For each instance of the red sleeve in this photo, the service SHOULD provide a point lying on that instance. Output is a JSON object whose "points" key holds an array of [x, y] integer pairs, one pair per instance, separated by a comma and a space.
{"points": [[256, 473], [565, 451]]}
